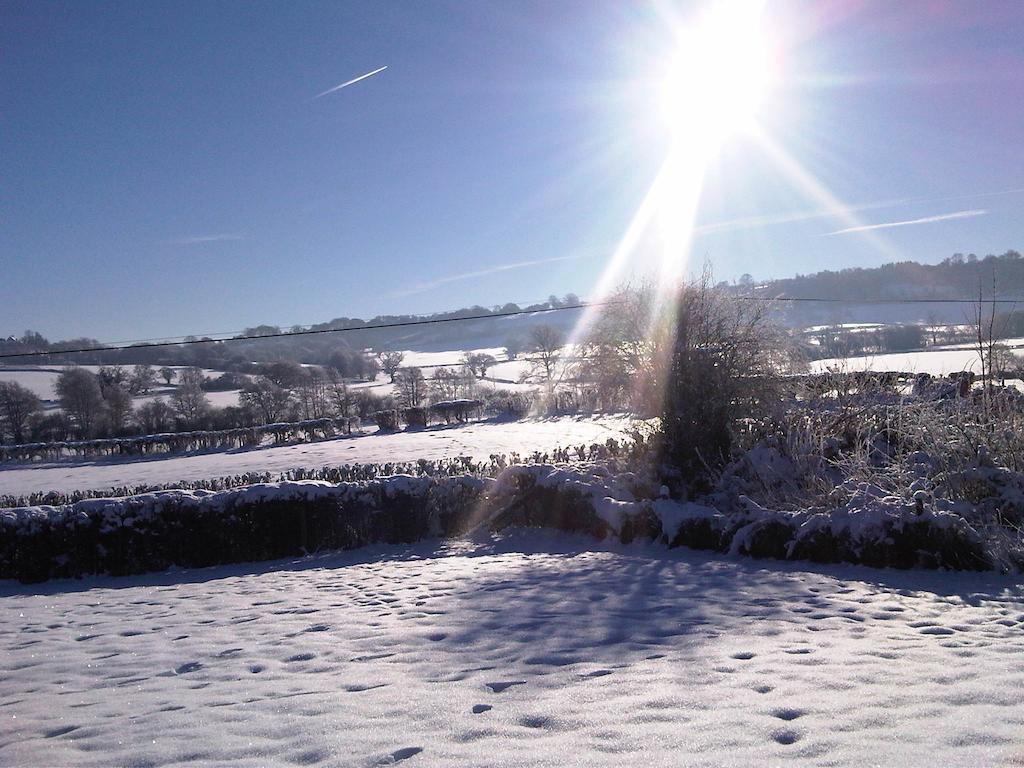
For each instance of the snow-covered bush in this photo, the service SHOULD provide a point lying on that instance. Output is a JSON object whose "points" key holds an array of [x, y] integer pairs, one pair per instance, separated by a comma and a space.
{"points": [[458, 410], [510, 405], [387, 420], [415, 417]]}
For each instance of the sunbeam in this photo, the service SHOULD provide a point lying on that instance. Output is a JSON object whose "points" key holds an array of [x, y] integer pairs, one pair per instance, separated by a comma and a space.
{"points": [[720, 75], [805, 181]]}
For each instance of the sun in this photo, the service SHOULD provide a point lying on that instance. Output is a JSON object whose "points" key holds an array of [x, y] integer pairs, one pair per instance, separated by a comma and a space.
{"points": [[721, 74], [716, 80]]}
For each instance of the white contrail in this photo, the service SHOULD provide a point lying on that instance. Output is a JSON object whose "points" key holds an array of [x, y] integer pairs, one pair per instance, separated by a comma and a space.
{"points": [[420, 288], [206, 239], [350, 82], [907, 223], [756, 222]]}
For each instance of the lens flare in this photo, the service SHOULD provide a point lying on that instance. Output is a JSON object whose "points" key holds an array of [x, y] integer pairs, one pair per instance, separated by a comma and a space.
{"points": [[721, 75]]}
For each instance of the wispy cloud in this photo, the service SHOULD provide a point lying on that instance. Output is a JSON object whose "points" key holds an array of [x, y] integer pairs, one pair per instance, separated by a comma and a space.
{"points": [[756, 222], [422, 287], [200, 239], [350, 82], [910, 222]]}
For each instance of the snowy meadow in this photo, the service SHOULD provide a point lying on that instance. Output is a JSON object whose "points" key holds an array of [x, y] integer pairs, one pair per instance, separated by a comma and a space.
{"points": [[532, 649]]}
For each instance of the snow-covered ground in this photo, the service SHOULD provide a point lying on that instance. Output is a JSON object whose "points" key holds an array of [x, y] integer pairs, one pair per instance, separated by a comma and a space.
{"points": [[478, 440], [219, 399], [938, 361], [534, 650]]}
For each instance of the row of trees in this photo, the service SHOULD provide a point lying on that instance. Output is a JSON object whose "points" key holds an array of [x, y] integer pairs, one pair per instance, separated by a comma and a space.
{"points": [[840, 341], [100, 405]]}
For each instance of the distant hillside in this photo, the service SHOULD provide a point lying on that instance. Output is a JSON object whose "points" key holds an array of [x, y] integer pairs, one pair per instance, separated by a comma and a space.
{"points": [[957, 277], [491, 328]]}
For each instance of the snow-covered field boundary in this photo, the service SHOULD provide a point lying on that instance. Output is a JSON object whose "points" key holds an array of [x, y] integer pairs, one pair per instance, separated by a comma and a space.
{"points": [[156, 531]]}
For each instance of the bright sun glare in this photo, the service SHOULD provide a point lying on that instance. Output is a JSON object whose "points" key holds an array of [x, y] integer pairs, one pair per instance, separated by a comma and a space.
{"points": [[717, 79], [721, 74]]}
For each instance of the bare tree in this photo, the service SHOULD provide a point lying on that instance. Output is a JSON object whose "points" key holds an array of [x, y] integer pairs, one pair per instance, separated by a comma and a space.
{"points": [[270, 402], [933, 327], [390, 362], [155, 417], [449, 384], [411, 386], [986, 338], [167, 374], [478, 362], [338, 394], [545, 346], [118, 407], [113, 376], [285, 373], [18, 405], [141, 380], [189, 399], [312, 393], [617, 355], [81, 398], [513, 347], [724, 362]]}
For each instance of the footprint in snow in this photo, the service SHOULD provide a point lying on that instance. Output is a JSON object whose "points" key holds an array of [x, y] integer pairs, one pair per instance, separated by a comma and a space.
{"points": [[936, 631], [501, 686], [744, 655], [63, 730], [400, 754], [787, 713], [786, 737]]}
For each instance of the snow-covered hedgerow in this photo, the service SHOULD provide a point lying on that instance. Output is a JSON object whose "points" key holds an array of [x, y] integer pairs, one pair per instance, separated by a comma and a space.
{"points": [[181, 442], [266, 521], [198, 528], [870, 530]]}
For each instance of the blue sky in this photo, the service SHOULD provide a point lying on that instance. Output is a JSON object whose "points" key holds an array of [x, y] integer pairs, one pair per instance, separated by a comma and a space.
{"points": [[167, 168]]}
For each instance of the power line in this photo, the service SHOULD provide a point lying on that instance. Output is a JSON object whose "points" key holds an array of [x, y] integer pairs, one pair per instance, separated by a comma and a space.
{"points": [[879, 301], [437, 320], [284, 334], [228, 335]]}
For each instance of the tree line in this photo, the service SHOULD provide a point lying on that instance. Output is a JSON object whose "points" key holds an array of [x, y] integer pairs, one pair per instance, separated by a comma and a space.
{"points": [[242, 352]]}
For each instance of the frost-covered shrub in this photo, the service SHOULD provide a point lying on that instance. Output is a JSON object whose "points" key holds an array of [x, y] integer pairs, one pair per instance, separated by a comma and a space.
{"points": [[460, 411], [510, 405], [387, 420], [415, 417]]}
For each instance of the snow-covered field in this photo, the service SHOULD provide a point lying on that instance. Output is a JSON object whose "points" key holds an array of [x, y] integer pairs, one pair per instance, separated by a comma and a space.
{"points": [[938, 361], [42, 380], [478, 440], [533, 650]]}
